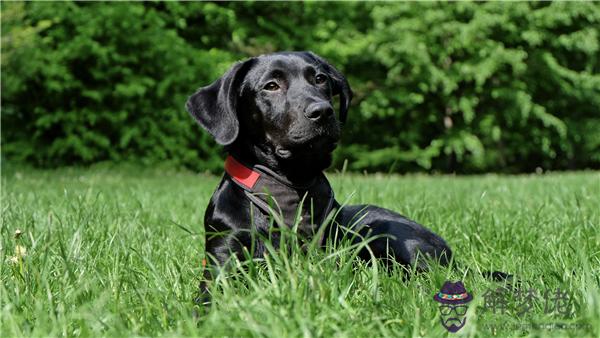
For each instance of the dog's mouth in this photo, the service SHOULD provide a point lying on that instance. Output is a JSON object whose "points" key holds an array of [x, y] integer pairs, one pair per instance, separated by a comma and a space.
{"points": [[320, 144]]}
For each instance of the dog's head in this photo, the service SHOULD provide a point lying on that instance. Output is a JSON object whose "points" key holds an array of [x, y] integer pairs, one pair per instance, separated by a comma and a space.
{"points": [[278, 107]]}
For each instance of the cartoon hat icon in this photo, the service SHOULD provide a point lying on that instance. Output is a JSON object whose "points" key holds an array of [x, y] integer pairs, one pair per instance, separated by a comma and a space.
{"points": [[453, 293]]}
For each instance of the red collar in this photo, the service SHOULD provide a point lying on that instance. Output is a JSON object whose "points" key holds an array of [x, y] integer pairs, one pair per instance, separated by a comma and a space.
{"points": [[239, 172]]}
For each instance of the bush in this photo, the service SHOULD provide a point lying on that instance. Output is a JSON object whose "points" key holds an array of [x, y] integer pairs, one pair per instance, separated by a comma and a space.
{"points": [[454, 87]]}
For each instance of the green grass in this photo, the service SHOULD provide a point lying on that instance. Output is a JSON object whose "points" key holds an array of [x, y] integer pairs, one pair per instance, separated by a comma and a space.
{"points": [[117, 252]]}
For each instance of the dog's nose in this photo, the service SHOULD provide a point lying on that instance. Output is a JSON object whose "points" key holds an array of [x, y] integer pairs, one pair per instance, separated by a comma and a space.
{"points": [[318, 110]]}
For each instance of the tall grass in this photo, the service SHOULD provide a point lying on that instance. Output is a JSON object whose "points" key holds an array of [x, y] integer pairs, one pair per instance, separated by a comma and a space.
{"points": [[118, 251]]}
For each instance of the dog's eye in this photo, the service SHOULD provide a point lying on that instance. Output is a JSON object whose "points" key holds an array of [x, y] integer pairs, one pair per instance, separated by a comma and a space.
{"points": [[320, 79], [271, 86]]}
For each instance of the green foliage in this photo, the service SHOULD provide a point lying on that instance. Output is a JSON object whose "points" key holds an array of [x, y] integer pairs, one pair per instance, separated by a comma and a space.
{"points": [[101, 83], [465, 87]]}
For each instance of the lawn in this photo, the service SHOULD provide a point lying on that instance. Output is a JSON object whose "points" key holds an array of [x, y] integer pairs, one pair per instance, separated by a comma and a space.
{"points": [[116, 251]]}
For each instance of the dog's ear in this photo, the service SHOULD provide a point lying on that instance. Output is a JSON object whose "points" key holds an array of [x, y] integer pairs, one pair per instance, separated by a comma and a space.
{"points": [[341, 86], [215, 106]]}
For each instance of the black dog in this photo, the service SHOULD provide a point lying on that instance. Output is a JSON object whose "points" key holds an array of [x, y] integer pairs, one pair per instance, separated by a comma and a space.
{"points": [[274, 115]]}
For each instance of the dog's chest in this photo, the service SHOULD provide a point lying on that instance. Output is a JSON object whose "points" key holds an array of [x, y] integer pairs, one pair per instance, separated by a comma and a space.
{"points": [[303, 207]]}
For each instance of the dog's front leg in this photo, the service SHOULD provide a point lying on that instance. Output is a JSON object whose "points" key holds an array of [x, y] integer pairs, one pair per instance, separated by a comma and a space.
{"points": [[226, 247]]}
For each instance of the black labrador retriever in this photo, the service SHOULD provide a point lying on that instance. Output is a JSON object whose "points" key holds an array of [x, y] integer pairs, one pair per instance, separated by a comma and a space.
{"points": [[274, 115]]}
